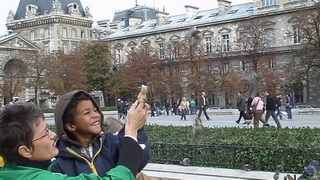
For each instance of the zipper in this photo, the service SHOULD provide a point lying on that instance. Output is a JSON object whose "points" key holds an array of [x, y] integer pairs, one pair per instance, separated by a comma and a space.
{"points": [[90, 163]]}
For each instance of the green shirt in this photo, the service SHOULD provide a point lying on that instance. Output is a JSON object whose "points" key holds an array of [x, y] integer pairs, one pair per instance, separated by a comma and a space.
{"points": [[9, 172]]}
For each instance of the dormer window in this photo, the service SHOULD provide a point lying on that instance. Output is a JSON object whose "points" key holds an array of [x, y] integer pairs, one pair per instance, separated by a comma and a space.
{"points": [[213, 15], [232, 11], [198, 17], [31, 9]]}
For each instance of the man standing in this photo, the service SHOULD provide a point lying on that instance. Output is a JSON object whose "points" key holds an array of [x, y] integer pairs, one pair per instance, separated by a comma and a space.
{"points": [[279, 99], [271, 108], [120, 107], [241, 105], [288, 104], [192, 107], [203, 105]]}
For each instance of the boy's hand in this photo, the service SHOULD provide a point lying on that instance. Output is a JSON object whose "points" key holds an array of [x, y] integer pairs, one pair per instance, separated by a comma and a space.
{"points": [[136, 119]]}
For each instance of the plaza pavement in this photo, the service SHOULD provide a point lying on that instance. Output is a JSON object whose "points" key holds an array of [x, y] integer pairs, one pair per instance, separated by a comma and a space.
{"points": [[222, 118]]}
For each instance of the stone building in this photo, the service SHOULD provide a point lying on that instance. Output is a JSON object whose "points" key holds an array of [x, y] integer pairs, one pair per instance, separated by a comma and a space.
{"points": [[61, 24], [52, 25], [48, 26], [219, 29]]}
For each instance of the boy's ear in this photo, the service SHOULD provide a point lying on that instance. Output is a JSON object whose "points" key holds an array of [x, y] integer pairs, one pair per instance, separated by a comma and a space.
{"points": [[25, 152], [70, 127]]}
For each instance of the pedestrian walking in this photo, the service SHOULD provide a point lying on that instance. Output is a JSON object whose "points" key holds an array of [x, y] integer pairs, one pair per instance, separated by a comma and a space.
{"points": [[241, 105], [258, 108], [271, 107], [203, 103], [192, 107], [183, 107]]}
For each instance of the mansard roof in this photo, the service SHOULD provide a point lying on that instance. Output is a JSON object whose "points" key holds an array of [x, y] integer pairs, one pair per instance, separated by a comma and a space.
{"points": [[180, 22], [44, 6]]}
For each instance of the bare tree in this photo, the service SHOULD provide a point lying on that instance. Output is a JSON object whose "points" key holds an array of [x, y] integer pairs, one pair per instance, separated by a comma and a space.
{"points": [[14, 79], [254, 39]]}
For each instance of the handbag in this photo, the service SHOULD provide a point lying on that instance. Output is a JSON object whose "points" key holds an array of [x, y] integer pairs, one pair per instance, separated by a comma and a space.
{"points": [[254, 108]]}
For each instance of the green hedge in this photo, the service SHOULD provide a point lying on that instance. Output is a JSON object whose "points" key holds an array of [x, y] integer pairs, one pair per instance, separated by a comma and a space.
{"points": [[232, 147]]}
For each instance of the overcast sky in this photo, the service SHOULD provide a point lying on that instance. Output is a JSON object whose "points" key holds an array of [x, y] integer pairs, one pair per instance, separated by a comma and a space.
{"points": [[104, 9]]}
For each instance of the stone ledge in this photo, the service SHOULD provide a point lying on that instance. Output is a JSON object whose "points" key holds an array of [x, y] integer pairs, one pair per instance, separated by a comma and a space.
{"points": [[177, 172]]}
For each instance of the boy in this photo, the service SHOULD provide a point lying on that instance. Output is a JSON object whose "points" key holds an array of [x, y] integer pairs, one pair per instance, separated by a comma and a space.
{"points": [[27, 145], [82, 146]]}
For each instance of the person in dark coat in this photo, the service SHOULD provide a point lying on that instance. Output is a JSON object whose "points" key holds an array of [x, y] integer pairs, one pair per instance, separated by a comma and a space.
{"points": [[241, 105], [271, 107], [203, 103]]}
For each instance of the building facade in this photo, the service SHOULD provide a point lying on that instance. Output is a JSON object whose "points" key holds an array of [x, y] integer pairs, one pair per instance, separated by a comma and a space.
{"points": [[61, 24], [219, 30], [49, 26]]}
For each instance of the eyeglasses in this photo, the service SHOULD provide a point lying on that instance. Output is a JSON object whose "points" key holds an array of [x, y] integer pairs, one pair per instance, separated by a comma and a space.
{"points": [[47, 130]]}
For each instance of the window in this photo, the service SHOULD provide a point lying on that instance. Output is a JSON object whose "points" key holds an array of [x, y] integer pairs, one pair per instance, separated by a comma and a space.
{"points": [[161, 51], [242, 66], [32, 35], [292, 0], [46, 48], [74, 33], [64, 32], [296, 34], [270, 63], [225, 43], [270, 37], [175, 49], [46, 32], [82, 34], [208, 45], [269, 2], [118, 55], [213, 15], [74, 46], [198, 17], [65, 47], [225, 68]]}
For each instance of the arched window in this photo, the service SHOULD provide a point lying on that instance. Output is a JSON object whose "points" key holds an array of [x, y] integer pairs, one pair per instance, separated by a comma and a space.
{"points": [[46, 33], [32, 35], [64, 32], [74, 33], [82, 34], [65, 47]]}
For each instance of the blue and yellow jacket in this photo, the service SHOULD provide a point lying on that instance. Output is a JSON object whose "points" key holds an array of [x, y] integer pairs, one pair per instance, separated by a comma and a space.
{"points": [[72, 161]]}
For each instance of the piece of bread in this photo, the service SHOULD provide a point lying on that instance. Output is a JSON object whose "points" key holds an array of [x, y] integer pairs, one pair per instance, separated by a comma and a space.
{"points": [[142, 97]]}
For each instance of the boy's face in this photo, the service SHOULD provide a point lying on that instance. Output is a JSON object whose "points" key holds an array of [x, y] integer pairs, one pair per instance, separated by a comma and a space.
{"points": [[87, 120]]}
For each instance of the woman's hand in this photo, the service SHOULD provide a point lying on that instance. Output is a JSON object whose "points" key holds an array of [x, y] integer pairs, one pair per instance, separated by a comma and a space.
{"points": [[137, 118]]}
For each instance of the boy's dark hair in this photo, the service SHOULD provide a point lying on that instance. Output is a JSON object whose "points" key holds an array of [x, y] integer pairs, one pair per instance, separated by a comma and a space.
{"points": [[17, 123], [70, 112]]}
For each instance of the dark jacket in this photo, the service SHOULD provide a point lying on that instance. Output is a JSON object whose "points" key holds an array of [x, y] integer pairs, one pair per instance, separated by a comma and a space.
{"points": [[241, 103], [271, 103], [203, 100], [106, 147]]}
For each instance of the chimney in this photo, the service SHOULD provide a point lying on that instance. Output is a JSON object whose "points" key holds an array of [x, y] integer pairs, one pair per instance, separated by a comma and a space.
{"points": [[191, 11], [161, 17], [224, 6], [104, 23]]}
